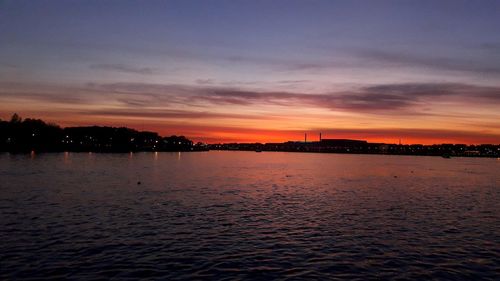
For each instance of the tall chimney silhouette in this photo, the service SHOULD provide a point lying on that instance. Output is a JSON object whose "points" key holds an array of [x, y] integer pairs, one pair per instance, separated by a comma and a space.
{"points": [[305, 137]]}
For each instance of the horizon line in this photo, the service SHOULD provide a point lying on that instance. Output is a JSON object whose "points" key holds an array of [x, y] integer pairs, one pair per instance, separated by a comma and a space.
{"points": [[316, 133]]}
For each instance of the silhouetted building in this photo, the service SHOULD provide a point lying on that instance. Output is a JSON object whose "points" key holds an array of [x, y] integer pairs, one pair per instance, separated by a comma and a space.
{"points": [[342, 143]]}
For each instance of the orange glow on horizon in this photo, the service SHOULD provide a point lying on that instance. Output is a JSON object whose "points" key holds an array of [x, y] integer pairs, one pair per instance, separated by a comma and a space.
{"points": [[224, 134]]}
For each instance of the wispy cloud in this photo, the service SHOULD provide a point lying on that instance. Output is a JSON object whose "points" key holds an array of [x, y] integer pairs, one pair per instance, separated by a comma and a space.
{"points": [[7, 65], [359, 58], [376, 99], [363, 100], [205, 81], [422, 90], [170, 114], [386, 58], [491, 47], [379, 98], [124, 68]]}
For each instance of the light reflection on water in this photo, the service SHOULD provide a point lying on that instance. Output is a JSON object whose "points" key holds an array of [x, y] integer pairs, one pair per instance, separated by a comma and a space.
{"points": [[240, 215]]}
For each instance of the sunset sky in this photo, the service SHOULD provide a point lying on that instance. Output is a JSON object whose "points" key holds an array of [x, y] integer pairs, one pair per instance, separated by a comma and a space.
{"points": [[267, 71]]}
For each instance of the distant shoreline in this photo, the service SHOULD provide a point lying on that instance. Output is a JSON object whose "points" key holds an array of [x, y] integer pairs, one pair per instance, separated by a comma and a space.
{"points": [[34, 135], [194, 151], [359, 153]]}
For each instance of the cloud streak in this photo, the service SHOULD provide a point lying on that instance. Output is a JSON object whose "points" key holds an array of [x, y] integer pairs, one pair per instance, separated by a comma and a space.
{"points": [[170, 114], [124, 68], [429, 62], [377, 99]]}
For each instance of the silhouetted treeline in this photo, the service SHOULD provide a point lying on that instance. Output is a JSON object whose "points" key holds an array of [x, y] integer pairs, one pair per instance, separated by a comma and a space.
{"points": [[18, 135]]}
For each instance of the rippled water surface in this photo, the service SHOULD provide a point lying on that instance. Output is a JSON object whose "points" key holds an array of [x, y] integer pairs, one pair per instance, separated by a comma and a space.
{"points": [[247, 215]]}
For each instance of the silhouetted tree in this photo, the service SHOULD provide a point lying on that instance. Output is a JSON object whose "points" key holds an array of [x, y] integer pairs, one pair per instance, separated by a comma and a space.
{"points": [[15, 118]]}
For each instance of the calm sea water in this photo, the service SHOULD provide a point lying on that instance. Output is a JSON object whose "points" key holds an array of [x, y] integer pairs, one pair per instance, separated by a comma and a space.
{"points": [[246, 215]]}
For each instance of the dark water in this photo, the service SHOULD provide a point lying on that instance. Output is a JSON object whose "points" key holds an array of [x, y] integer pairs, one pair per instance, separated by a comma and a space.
{"points": [[247, 215]]}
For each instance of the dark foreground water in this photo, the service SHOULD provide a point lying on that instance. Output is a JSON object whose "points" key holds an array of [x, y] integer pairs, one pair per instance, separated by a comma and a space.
{"points": [[246, 215]]}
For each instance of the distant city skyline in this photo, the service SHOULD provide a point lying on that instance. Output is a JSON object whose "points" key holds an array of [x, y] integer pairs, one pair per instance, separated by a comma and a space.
{"points": [[258, 71]]}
